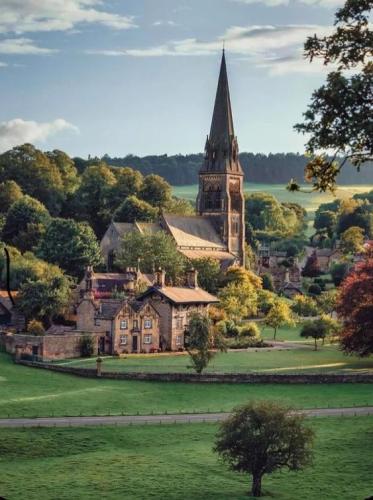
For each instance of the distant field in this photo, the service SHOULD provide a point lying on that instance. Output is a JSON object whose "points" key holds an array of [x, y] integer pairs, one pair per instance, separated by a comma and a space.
{"points": [[31, 392], [174, 462], [309, 201]]}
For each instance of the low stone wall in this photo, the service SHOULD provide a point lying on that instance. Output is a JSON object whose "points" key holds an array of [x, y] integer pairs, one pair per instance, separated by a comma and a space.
{"points": [[226, 378]]}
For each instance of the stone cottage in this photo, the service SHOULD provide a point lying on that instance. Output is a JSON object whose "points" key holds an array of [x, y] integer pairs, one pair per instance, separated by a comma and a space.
{"points": [[174, 306]]}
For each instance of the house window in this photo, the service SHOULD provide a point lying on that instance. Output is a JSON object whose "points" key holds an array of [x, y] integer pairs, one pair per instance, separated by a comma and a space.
{"points": [[123, 324], [148, 338], [179, 323], [135, 324], [97, 322], [123, 339], [179, 339], [148, 323]]}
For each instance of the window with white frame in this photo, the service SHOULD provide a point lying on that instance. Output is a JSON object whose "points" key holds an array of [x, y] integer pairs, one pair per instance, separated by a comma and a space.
{"points": [[148, 338], [179, 323], [148, 323], [123, 324], [179, 339], [123, 339], [97, 322]]}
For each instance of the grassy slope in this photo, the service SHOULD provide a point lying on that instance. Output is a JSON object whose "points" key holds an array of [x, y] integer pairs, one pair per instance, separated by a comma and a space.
{"points": [[174, 462], [30, 392], [328, 359]]}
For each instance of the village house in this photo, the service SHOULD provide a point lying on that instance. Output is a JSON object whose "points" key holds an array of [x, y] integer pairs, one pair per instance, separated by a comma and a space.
{"points": [[175, 305], [285, 271]]}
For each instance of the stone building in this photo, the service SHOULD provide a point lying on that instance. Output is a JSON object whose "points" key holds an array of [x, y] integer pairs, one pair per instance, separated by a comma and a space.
{"points": [[174, 305], [218, 230], [10, 317]]}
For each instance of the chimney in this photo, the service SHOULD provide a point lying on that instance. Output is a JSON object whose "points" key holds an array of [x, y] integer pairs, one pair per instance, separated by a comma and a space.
{"points": [[160, 278], [192, 278], [88, 277]]}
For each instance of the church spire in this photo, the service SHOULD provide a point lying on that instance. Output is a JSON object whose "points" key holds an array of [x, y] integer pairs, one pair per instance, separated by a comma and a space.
{"points": [[221, 145]]}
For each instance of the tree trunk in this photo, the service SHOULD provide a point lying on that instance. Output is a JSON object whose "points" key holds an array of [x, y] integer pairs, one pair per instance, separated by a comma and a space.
{"points": [[256, 489], [274, 335], [315, 344]]}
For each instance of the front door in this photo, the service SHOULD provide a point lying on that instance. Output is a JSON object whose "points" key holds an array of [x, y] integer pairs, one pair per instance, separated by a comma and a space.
{"points": [[134, 343]]}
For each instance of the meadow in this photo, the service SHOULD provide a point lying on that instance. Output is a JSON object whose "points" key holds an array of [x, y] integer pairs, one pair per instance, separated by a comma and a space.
{"points": [[174, 462], [34, 392]]}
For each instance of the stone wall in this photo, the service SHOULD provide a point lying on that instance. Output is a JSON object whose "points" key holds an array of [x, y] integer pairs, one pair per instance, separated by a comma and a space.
{"points": [[237, 378]]}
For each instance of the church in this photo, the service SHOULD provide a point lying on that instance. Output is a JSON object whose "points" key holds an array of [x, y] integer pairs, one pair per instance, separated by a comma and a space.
{"points": [[218, 229]]}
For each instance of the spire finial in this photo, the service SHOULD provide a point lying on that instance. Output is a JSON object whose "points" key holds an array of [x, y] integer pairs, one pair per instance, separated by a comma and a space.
{"points": [[223, 46]]}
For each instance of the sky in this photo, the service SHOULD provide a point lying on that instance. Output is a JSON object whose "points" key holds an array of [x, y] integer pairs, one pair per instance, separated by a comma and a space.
{"points": [[139, 76]]}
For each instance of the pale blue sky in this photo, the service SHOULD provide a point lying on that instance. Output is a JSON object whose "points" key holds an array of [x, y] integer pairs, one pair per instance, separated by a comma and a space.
{"points": [[139, 76]]}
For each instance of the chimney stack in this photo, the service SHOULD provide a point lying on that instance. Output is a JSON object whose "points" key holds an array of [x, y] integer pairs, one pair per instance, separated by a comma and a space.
{"points": [[160, 278], [192, 278]]}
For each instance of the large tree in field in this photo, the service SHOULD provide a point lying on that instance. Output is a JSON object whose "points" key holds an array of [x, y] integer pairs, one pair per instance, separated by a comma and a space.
{"points": [[340, 116], [202, 341], [261, 438], [355, 306], [279, 315], [71, 245]]}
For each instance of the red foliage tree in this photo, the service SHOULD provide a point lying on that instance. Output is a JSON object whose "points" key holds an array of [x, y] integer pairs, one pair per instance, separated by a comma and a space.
{"points": [[355, 306], [312, 267]]}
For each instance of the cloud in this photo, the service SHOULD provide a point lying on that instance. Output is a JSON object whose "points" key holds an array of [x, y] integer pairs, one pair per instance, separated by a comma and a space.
{"points": [[164, 23], [276, 3], [19, 131], [3, 64], [22, 16], [22, 46]]}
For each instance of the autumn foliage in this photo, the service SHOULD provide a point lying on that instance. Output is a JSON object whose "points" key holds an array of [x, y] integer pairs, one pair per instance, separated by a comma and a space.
{"points": [[355, 306]]}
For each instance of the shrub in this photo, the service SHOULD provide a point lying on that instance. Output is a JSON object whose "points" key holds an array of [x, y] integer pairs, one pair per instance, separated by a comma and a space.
{"points": [[267, 282], [86, 346], [314, 289], [245, 342], [35, 327], [250, 330]]}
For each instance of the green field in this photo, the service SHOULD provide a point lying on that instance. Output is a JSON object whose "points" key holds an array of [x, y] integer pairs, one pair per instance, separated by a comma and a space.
{"points": [[309, 201], [328, 359], [34, 392], [174, 462]]}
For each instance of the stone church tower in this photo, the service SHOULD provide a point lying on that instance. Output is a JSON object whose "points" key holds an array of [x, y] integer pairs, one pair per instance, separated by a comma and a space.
{"points": [[220, 195]]}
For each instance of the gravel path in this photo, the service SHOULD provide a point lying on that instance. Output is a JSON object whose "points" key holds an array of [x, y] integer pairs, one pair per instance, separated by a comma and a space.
{"points": [[162, 419]]}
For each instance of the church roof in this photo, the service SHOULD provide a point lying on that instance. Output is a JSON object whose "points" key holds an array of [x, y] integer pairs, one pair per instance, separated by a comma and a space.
{"points": [[193, 232], [123, 228], [225, 258]]}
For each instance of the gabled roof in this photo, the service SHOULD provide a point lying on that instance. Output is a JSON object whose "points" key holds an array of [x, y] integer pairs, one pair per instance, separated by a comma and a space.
{"points": [[193, 232], [182, 295], [108, 309], [148, 227], [123, 228]]}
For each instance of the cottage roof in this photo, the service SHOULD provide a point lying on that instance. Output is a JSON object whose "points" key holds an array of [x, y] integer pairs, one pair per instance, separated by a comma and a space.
{"points": [[182, 295], [109, 308], [123, 228], [193, 232], [148, 227]]}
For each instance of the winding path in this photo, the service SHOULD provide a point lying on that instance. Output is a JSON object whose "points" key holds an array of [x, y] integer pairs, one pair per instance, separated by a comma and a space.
{"points": [[163, 419]]}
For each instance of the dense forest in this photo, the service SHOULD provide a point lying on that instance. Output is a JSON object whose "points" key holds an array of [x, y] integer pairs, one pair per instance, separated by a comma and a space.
{"points": [[273, 168]]}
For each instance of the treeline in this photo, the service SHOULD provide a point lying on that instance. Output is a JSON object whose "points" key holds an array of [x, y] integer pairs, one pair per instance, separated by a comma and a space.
{"points": [[260, 168]]}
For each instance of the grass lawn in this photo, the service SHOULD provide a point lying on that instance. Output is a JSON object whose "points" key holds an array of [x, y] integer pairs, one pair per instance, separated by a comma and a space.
{"points": [[34, 392], [174, 462], [289, 333], [328, 359]]}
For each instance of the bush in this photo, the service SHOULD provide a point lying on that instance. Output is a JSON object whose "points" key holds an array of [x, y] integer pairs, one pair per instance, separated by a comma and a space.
{"points": [[86, 346], [231, 329], [250, 330], [339, 272], [314, 289], [245, 342], [267, 282], [35, 327]]}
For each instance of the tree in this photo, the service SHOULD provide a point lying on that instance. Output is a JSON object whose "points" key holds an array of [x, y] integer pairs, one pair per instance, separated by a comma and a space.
{"points": [[352, 240], [320, 328], [155, 190], [338, 272], [35, 174], [86, 346], [339, 117], [151, 252], [304, 306], [10, 192], [43, 299], [179, 206], [36, 328], [326, 220], [25, 223], [66, 168], [209, 273], [279, 315], [327, 301], [260, 438], [132, 209], [239, 300], [241, 276], [312, 267], [128, 183], [355, 307], [201, 339], [71, 245], [267, 282]]}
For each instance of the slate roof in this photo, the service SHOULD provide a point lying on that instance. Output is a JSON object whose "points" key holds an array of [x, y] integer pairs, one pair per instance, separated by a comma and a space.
{"points": [[109, 308], [193, 232], [123, 228], [182, 295]]}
